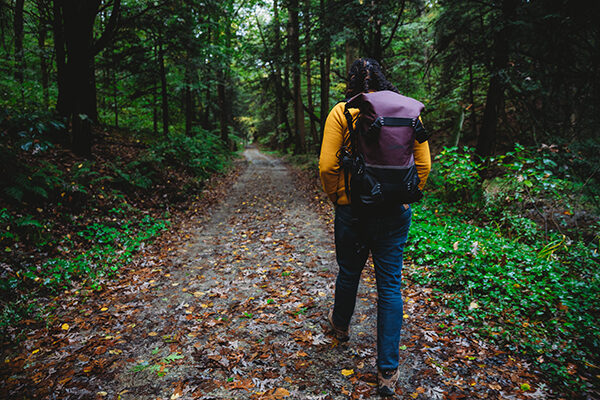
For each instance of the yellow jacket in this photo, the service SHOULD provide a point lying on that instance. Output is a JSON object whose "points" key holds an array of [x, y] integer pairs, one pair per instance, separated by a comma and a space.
{"points": [[334, 136]]}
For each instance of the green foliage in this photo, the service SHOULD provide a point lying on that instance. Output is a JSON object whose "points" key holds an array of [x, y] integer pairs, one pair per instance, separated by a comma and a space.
{"points": [[460, 174], [103, 248], [539, 298], [536, 174], [137, 174], [200, 154], [536, 291]]}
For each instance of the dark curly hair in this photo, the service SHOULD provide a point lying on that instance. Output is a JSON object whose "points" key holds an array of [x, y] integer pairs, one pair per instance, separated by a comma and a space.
{"points": [[366, 74]]}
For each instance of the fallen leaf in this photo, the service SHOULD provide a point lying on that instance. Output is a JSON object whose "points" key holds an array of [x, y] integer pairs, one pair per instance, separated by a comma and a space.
{"points": [[65, 327], [280, 393], [347, 372]]}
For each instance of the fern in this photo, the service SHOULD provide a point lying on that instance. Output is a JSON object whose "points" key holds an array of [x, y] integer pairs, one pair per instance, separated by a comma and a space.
{"points": [[14, 192]]}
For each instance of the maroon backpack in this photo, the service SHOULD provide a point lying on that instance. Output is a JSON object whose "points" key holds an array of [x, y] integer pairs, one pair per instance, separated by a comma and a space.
{"points": [[381, 155]]}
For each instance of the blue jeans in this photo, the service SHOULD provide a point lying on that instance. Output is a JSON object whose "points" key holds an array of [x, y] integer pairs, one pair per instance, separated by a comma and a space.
{"points": [[384, 234]]}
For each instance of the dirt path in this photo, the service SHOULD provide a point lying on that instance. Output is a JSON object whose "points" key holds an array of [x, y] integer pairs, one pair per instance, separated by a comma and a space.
{"points": [[237, 313]]}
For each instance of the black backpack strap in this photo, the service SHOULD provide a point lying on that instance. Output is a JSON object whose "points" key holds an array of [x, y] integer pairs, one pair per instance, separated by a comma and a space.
{"points": [[347, 161], [421, 133]]}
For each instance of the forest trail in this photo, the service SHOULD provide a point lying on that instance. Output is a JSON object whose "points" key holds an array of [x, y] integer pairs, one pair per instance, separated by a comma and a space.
{"points": [[237, 312]]}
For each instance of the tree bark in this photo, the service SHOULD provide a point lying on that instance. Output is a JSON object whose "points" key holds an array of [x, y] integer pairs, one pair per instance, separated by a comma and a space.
{"points": [[224, 99], [155, 109], [189, 104], [281, 100], [324, 66], [294, 45], [79, 17], [63, 103], [309, 93], [163, 85], [42, 34], [495, 95], [115, 92], [18, 30]]}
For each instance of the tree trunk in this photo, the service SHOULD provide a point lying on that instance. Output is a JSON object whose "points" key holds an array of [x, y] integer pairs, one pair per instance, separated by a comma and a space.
{"points": [[277, 74], [42, 33], [294, 44], [349, 56], [189, 104], [473, 119], [63, 103], [155, 109], [115, 93], [280, 98], [163, 85], [495, 95], [223, 89], [309, 94], [18, 30], [79, 19], [324, 66], [223, 108]]}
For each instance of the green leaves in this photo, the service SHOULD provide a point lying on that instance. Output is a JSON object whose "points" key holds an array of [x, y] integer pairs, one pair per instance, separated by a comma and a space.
{"points": [[460, 173], [531, 294]]}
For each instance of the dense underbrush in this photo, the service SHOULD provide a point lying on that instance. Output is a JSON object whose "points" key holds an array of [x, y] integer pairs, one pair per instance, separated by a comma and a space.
{"points": [[515, 256], [67, 221]]}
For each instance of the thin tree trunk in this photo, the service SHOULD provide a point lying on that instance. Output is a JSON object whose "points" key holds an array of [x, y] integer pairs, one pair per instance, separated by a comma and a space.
{"points": [[277, 73], [18, 30], [223, 91], [472, 101], [281, 100], [294, 44], [42, 33], [115, 93], [163, 84], [223, 109], [63, 103], [309, 94], [155, 109], [324, 65], [349, 56], [189, 105]]}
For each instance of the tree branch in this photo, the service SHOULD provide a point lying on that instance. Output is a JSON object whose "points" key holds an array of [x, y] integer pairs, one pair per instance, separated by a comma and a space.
{"points": [[385, 46], [109, 31]]}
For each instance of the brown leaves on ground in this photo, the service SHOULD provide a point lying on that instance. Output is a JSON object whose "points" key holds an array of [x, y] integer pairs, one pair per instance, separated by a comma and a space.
{"points": [[231, 304]]}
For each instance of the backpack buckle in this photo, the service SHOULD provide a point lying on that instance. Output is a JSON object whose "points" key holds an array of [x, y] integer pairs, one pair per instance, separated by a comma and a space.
{"points": [[374, 129]]}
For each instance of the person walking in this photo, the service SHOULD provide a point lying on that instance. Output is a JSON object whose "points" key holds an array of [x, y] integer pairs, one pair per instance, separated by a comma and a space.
{"points": [[383, 231]]}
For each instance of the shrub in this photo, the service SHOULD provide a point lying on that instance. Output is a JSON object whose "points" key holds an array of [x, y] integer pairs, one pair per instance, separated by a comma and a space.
{"points": [[460, 174], [200, 154]]}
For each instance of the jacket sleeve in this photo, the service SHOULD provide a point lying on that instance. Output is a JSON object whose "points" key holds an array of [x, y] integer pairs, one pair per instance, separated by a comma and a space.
{"points": [[329, 167], [422, 161]]}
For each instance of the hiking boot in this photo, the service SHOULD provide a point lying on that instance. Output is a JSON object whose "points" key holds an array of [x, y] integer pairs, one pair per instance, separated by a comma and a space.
{"points": [[341, 334], [386, 381]]}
